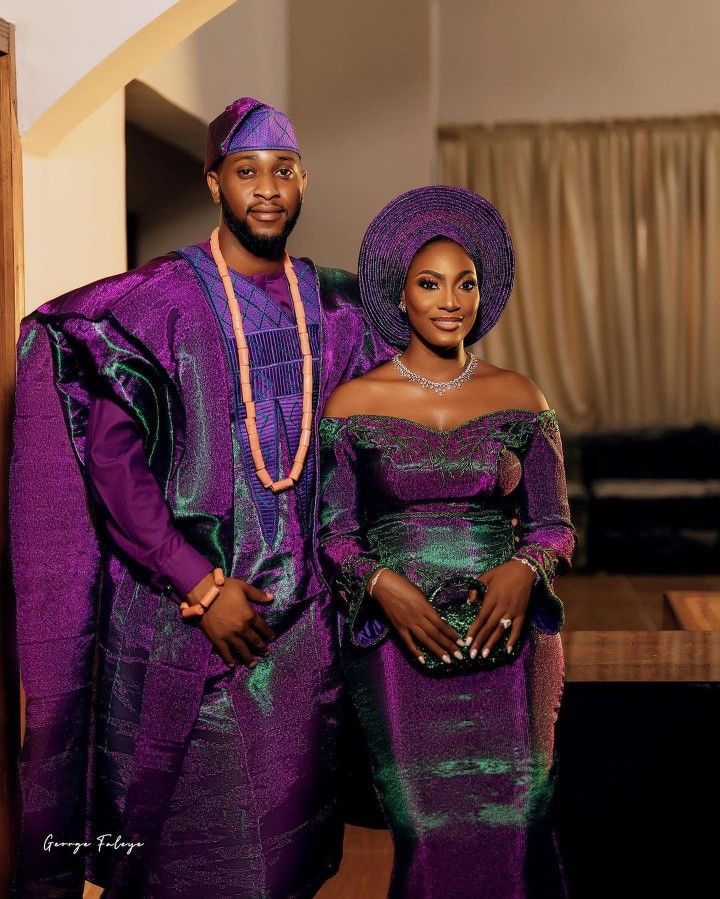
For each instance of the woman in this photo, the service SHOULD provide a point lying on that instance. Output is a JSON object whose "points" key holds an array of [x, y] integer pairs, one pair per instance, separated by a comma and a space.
{"points": [[444, 521]]}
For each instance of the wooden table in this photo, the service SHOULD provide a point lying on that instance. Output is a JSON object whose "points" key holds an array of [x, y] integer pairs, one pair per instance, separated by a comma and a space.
{"points": [[694, 610], [648, 656]]}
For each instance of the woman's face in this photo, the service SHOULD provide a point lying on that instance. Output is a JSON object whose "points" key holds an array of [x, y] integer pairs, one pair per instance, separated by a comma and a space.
{"points": [[441, 294]]}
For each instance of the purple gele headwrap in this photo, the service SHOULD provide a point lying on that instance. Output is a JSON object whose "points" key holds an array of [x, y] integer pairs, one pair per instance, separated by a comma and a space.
{"points": [[248, 124], [407, 223]]}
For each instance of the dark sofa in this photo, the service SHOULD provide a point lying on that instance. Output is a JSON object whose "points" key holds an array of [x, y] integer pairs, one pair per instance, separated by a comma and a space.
{"points": [[646, 500]]}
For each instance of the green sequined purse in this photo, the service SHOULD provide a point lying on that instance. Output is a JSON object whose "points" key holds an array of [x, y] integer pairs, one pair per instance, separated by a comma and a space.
{"points": [[449, 599]]}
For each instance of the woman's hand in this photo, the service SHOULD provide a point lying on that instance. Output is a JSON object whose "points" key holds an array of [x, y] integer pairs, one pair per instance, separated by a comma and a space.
{"points": [[507, 596], [230, 623], [414, 618]]}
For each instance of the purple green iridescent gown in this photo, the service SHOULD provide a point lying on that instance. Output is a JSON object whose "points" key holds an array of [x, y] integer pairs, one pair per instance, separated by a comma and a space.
{"points": [[463, 765]]}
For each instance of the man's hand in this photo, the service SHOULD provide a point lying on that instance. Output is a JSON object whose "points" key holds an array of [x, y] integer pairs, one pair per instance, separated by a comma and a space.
{"points": [[231, 624], [414, 618]]}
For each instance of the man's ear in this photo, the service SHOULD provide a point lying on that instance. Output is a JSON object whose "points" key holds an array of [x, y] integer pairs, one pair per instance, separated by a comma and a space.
{"points": [[303, 181], [213, 183]]}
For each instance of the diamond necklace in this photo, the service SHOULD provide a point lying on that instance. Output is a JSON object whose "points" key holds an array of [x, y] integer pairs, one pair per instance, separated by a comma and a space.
{"points": [[440, 387]]}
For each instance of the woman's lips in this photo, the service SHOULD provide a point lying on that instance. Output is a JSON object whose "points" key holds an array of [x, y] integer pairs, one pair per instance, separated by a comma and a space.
{"points": [[447, 324]]}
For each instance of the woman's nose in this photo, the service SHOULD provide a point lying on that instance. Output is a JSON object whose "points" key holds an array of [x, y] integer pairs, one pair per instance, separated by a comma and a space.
{"points": [[448, 301]]}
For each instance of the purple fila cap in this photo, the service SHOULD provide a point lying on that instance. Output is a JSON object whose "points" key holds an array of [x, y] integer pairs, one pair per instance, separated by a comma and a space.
{"points": [[248, 124]]}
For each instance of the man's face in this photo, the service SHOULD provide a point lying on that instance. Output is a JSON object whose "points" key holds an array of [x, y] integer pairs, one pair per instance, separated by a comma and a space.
{"points": [[261, 193]]}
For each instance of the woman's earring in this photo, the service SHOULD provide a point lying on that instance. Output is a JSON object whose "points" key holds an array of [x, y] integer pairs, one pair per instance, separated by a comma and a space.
{"points": [[402, 306]]}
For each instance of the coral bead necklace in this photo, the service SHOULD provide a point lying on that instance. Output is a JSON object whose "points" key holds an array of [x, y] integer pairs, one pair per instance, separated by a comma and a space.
{"points": [[243, 355]]}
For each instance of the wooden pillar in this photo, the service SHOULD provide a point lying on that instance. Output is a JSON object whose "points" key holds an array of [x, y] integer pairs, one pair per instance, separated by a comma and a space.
{"points": [[11, 310]]}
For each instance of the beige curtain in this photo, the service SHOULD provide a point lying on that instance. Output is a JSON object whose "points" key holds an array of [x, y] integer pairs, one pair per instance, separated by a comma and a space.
{"points": [[616, 307]]}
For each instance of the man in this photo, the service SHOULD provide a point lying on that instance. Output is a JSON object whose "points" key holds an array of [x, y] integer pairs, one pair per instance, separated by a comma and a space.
{"points": [[159, 438]]}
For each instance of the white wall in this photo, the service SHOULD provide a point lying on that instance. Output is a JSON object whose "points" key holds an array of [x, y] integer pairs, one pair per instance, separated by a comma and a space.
{"points": [[357, 79], [75, 207], [366, 94], [73, 58], [242, 52], [360, 98], [58, 43], [539, 60]]}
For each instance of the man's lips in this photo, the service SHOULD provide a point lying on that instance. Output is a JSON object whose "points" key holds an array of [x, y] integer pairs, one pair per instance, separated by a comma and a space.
{"points": [[450, 323], [266, 213]]}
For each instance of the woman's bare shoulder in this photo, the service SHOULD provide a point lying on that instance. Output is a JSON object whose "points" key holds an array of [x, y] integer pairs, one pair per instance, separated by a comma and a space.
{"points": [[360, 395], [508, 389]]}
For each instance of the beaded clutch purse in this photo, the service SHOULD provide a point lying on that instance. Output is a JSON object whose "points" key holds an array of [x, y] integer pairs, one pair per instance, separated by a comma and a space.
{"points": [[449, 598]]}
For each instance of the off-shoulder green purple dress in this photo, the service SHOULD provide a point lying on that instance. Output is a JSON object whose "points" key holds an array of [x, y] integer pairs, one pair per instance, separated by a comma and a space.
{"points": [[463, 764]]}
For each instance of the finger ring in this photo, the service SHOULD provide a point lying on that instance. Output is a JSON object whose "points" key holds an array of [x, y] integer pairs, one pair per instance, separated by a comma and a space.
{"points": [[506, 622]]}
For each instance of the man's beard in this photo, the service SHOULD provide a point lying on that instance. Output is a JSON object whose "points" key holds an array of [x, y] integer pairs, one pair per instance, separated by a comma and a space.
{"points": [[261, 245]]}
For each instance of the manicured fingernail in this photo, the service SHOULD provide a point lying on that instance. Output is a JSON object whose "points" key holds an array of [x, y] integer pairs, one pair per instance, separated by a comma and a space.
{"points": [[460, 641], [468, 641], [458, 655], [509, 649], [473, 653], [421, 659], [485, 652], [446, 659]]}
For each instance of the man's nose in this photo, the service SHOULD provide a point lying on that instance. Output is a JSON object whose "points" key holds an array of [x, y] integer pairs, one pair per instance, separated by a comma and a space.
{"points": [[266, 187]]}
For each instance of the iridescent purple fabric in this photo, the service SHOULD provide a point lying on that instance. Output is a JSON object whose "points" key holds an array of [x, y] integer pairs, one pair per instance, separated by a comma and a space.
{"points": [[133, 727], [136, 514], [463, 764], [131, 503], [277, 393]]}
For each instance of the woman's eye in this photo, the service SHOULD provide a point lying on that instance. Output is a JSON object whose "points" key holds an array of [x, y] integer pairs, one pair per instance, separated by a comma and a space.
{"points": [[426, 284], [468, 285]]}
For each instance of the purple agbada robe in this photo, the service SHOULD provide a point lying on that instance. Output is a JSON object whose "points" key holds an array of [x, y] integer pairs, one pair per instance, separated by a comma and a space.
{"points": [[133, 727], [138, 519]]}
